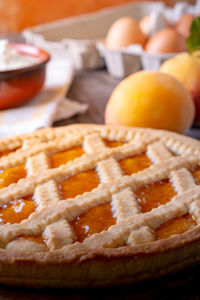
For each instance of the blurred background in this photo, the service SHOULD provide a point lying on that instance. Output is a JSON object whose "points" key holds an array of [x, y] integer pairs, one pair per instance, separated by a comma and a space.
{"points": [[16, 15]]}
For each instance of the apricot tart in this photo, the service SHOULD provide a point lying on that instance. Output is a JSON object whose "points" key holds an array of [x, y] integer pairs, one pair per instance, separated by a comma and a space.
{"points": [[91, 205]]}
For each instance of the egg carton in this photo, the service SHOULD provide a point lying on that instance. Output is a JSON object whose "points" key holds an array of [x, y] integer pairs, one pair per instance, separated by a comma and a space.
{"points": [[125, 61], [80, 37]]}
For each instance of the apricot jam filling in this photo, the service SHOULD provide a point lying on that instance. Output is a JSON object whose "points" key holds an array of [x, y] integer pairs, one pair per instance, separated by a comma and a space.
{"points": [[95, 220], [175, 226], [17, 210], [112, 144], [63, 157], [79, 184], [152, 195], [134, 164], [12, 175]]}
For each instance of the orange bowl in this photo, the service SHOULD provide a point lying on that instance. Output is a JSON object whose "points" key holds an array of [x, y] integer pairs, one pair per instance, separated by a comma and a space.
{"points": [[20, 85]]}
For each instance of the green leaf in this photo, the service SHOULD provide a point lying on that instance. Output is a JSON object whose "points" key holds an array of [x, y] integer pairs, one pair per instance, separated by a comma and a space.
{"points": [[193, 41]]}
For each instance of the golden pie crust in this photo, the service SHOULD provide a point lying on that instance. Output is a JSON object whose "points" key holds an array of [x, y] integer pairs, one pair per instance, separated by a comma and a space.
{"points": [[93, 205]]}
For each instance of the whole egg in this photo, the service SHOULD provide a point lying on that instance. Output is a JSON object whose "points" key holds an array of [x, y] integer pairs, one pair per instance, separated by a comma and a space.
{"points": [[124, 32]]}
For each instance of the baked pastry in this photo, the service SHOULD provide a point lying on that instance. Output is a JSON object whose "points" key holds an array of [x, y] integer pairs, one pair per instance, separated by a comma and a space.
{"points": [[92, 205]]}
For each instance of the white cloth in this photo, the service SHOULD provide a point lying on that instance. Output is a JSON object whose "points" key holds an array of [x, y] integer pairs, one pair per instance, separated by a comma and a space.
{"points": [[48, 106]]}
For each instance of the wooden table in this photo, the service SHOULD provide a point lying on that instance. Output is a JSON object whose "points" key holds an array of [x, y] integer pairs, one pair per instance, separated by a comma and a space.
{"points": [[94, 88]]}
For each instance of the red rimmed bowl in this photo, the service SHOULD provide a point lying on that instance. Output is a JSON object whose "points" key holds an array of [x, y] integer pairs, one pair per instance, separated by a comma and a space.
{"points": [[18, 86]]}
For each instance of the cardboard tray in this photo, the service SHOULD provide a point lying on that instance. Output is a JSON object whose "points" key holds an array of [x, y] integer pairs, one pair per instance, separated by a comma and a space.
{"points": [[81, 37]]}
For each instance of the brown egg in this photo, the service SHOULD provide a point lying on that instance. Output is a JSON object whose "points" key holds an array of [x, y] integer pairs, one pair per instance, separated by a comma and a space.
{"points": [[146, 24], [166, 41], [124, 32], [183, 25]]}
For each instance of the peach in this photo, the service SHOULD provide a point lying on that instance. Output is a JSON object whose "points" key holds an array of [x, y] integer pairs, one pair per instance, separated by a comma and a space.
{"points": [[151, 99], [186, 68]]}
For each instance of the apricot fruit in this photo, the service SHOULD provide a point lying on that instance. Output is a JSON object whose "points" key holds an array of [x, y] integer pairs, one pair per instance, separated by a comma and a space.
{"points": [[151, 99], [186, 68]]}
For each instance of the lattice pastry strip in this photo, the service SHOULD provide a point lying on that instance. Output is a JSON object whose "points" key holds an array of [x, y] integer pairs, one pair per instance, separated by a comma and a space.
{"points": [[158, 152], [182, 146], [116, 134], [66, 209], [109, 170], [182, 180], [30, 143], [93, 144], [131, 226], [161, 170], [195, 210], [45, 194], [104, 159], [37, 164], [156, 171], [123, 203], [118, 234], [50, 147], [144, 233], [25, 245], [45, 141], [69, 210], [44, 135], [59, 234], [26, 186]]}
